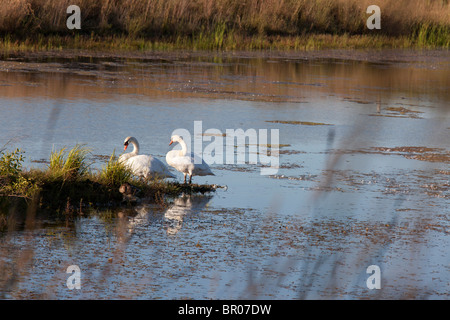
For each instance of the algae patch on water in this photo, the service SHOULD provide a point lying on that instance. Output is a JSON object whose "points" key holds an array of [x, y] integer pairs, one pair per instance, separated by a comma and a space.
{"points": [[303, 123], [398, 112], [418, 153]]}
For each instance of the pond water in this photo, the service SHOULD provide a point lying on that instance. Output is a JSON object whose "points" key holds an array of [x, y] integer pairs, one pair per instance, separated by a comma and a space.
{"points": [[363, 175]]}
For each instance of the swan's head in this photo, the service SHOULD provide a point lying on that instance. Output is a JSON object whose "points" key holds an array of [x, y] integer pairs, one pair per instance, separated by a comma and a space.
{"points": [[127, 141], [175, 138]]}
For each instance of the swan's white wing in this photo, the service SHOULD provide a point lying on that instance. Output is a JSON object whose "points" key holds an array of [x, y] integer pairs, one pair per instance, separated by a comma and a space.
{"points": [[201, 167], [124, 157], [148, 167], [139, 165], [188, 164], [158, 169], [183, 164]]}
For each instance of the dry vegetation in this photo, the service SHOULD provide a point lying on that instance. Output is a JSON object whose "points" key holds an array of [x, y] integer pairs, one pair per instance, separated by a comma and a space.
{"points": [[226, 24]]}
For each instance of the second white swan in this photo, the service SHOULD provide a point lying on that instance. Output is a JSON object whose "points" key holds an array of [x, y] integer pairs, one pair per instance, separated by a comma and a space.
{"points": [[190, 165]]}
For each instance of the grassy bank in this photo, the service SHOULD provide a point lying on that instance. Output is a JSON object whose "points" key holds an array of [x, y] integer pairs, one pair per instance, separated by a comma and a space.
{"points": [[223, 24], [68, 184]]}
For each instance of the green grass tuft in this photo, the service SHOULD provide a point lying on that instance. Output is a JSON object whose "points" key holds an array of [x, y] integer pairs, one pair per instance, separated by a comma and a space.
{"points": [[115, 173], [69, 165]]}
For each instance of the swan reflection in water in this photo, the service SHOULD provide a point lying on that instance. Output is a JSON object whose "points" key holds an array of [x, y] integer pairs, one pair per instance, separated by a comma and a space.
{"points": [[173, 216], [182, 206]]}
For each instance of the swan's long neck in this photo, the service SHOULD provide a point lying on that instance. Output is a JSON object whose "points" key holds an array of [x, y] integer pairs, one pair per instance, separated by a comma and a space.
{"points": [[135, 147], [183, 148]]}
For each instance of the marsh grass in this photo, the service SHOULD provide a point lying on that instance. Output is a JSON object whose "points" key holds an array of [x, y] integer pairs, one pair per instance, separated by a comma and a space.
{"points": [[431, 35], [71, 164], [223, 24], [115, 173]]}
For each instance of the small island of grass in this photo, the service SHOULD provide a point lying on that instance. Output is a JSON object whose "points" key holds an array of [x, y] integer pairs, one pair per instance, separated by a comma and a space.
{"points": [[68, 183]]}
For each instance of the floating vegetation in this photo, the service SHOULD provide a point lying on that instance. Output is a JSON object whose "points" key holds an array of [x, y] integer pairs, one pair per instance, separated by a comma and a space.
{"points": [[419, 153], [408, 149], [356, 100], [401, 110], [304, 177], [398, 112], [289, 152], [303, 123], [207, 134], [267, 145]]}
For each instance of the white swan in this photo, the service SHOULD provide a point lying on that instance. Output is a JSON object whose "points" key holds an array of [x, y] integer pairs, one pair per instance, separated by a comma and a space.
{"points": [[190, 165], [144, 166]]}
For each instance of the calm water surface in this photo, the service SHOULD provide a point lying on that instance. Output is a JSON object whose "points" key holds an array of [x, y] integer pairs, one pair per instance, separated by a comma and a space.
{"points": [[363, 177]]}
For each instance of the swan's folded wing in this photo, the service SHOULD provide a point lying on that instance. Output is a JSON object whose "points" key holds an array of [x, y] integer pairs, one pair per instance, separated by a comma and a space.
{"points": [[139, 165], [124, 157], [182, 163], [159, 169], [201, 167]]}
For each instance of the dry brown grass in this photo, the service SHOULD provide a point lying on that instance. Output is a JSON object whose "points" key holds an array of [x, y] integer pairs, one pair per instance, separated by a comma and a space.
{"points": [[219, 21], [252, 16]]}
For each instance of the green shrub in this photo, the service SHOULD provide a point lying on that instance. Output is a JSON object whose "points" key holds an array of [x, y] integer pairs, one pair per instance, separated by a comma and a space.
{"points": [[12, 180], [11, 163]]}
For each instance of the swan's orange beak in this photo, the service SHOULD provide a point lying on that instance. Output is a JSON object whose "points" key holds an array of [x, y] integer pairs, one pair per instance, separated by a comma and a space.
{"points": [[170, 142], [125, 147]]}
